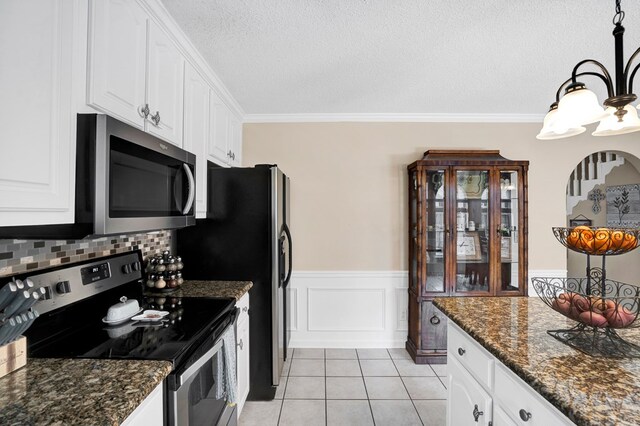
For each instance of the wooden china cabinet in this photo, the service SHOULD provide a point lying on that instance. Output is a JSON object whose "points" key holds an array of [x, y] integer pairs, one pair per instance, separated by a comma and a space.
{"points": [[467, 237]]}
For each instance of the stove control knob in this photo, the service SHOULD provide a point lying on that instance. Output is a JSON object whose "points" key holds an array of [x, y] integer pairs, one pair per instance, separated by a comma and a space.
{"points": [[126, 269], [135, 266], [63, 287], [45, 293]]}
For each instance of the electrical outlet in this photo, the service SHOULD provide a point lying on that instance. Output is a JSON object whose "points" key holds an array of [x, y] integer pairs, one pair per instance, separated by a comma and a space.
{"points": [[403, 315]]}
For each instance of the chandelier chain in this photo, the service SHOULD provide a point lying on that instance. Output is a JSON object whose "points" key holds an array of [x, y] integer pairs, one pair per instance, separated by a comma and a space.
{"points": [[619, 16]]}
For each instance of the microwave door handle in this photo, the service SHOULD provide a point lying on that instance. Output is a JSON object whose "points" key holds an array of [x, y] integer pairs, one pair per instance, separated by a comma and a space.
{"points": [[192, 189]]}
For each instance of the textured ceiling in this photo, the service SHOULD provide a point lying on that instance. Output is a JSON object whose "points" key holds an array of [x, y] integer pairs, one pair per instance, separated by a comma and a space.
{"points": [[400, 56]]}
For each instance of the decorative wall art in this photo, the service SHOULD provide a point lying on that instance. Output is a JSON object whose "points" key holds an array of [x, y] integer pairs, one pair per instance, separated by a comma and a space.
{"points": [[596, 196], [623, 206]]}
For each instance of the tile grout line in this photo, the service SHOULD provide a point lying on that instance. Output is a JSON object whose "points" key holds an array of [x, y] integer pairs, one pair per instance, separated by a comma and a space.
{"points": [[366, 391], [405, 387], [284, 391]]}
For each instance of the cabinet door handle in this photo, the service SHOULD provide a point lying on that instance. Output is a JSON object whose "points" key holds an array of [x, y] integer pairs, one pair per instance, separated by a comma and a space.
{"points": [[233, 155], [434, 320], [241, 344], [461, 351], [229, 154], [156, 118], [245, 309], [144, 110], [524, 415], [477, 413]]}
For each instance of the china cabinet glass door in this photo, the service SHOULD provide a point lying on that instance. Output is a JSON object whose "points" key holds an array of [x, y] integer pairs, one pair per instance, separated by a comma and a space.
{"points": [[414, 233], [436, 232], [509, 232], [472, 231]]}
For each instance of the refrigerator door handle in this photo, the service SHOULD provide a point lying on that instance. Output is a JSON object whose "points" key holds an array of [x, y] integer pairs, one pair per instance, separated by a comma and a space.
{"points": [[288, 234]]}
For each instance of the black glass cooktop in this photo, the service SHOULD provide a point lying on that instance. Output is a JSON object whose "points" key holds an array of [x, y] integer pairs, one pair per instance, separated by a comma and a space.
{"points": [[78, 331]]}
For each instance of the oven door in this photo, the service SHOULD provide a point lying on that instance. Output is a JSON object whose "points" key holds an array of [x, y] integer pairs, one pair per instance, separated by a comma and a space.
{"points": [[196, 393]]}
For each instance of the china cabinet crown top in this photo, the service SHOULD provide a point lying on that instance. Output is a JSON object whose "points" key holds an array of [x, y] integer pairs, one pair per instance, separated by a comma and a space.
{"points": [[463, 157]]}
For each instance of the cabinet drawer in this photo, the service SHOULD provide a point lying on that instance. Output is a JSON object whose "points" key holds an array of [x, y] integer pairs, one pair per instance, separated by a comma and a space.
{"points": [[520, 401], [471, 355], [434, 328], [243, 305], [500, 417]]}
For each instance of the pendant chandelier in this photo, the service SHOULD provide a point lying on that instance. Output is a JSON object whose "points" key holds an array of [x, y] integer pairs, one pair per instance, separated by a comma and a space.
{"points": [[579, 106]]}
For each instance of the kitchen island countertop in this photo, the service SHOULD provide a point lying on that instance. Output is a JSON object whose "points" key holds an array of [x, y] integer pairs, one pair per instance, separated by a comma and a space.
{"points": [[588, 390], [77, 391]]}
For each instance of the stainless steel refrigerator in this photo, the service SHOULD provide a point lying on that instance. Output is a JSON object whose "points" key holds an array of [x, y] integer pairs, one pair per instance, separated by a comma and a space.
{"points": [[246, 236]]}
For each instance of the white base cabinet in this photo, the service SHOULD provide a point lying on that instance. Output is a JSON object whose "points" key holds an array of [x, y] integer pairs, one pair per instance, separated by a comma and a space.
{"points": [[478, 382], [242, 352], [150, 412]]}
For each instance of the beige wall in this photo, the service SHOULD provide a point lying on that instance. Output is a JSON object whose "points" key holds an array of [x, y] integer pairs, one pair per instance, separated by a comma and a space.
{"points": [[348, 201]]}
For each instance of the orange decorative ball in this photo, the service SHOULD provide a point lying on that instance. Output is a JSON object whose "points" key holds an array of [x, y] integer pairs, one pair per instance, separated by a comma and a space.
{"points": [[601, 240], [616, 240], [573, 238], [630, 242], [587, 237]]}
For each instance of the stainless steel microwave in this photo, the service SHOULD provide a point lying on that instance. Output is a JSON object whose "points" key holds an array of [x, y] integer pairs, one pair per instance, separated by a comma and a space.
{"points": [[140, 183], [126, 181]]}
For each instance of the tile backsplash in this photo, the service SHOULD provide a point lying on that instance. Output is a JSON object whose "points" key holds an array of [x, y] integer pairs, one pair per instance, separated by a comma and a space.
{"points": [[18, 256]]}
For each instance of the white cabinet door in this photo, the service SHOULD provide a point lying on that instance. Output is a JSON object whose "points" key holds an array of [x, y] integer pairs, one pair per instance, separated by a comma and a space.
{"points": [[242, 355], [243, 361], [196, 131], [165, 85], [117, 59], [37, 122], [501, 418], [235, 140], [219, 149], [468, 403]]}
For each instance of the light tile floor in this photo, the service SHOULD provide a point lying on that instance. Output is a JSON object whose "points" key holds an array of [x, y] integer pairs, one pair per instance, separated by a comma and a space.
{"points": [[352, 387]]}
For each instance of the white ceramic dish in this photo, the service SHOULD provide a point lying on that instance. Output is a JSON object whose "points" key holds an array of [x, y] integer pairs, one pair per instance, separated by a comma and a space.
{"points": [[150, 315], [121, 320]]}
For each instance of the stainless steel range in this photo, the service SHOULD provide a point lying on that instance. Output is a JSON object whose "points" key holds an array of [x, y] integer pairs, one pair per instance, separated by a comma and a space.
{"points": [[70, 325]]}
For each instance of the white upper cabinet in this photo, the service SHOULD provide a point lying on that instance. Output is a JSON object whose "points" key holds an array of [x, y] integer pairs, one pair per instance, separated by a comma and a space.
{"points": [[135, 70], [118, 59], [225, 142], [219, 130], [165, 83], [196, 131], [37, 120], [235, 140]]}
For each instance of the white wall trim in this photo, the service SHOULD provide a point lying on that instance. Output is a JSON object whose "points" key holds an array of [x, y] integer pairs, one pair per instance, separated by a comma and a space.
{"points": [[349, 309], [395, 118]]}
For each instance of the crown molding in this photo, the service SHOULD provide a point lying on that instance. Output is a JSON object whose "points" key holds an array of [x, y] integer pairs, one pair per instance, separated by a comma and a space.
{"points": [[394, 118]]}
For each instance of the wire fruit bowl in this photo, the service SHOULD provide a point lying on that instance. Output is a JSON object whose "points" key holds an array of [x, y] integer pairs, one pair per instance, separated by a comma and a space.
{"points": [[598, 241], [614, 305], [599, 310]]}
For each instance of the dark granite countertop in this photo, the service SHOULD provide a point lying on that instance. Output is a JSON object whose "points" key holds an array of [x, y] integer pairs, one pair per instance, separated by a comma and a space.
{"points": [[588, 390], [202, 288], [77, 391]]}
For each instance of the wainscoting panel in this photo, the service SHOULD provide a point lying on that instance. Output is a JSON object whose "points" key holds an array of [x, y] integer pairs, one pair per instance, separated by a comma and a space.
{"points": [[349, 309], [356, 309]]}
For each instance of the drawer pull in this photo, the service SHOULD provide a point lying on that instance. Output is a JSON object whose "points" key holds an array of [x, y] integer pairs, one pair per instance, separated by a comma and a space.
{"points": [[245, 309], [241, 344], [524, 415], [477, 413], [461, 352], [434, 320]]}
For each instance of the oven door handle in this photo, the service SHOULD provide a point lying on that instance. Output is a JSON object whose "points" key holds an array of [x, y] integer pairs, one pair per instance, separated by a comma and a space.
{"points": [[193, 369], [192, 189]]}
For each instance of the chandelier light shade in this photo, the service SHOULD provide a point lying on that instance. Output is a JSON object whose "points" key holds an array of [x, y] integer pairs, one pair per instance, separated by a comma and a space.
{"points": [[612, 126], [579, 106], [556, 129]]}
